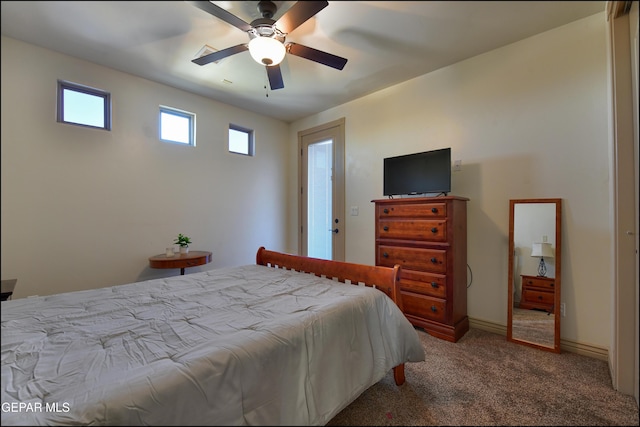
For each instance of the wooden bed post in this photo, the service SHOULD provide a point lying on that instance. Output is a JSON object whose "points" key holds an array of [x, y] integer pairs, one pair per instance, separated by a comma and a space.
{"points": [[398, 374]]}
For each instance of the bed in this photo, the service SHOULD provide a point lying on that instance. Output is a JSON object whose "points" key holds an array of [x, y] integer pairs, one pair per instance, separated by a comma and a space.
{"points": [[283, 342]]}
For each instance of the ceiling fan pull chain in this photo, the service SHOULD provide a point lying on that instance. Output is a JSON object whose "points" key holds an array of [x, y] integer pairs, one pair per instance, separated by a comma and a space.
{"points": [[266, 86]]}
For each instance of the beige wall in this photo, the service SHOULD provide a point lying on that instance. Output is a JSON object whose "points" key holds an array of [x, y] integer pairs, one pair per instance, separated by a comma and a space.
{"points": [[529, 120], [85, 208]]}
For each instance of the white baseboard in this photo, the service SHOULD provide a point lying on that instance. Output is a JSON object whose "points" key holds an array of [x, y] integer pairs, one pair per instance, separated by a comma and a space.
{"points": [[589, 350]]}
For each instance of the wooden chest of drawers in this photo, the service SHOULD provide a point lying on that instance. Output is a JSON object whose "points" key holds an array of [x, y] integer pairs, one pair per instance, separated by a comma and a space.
{"points": [[538, 292], [427, 236]]}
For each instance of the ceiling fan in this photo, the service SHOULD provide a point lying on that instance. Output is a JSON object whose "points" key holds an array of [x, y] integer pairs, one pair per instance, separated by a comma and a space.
{"points": [[267, 37]]}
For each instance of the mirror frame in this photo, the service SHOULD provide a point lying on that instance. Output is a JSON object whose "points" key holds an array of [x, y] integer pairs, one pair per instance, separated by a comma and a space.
{"points": [[558, 275]]}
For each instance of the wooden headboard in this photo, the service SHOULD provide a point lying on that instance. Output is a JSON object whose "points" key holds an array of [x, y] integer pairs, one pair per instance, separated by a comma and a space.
{"points": [[382, 278]]}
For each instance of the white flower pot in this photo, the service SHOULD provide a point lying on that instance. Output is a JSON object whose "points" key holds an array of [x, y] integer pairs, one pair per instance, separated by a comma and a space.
{"points": [[184, 249]]}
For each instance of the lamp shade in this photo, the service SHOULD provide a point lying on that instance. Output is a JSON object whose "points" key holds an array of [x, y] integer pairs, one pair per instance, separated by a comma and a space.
{"points": [[266, 50], [542, 250]]}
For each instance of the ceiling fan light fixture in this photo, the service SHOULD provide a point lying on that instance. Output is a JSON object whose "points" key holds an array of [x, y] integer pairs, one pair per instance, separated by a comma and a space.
{"points": [[267, 50]]}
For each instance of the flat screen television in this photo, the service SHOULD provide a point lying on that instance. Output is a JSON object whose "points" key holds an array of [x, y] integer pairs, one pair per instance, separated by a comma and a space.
{"points": [[419, 173]]}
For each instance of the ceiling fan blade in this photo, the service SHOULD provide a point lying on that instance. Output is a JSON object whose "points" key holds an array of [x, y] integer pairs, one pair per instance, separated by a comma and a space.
{"points": [[316, 55], [220, 13], [221, 54], [298, 14], [275, 77]]}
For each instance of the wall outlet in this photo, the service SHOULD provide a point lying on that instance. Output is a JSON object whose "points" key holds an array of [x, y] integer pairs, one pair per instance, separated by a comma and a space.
{"points": [[457, 165], [563, 309]]}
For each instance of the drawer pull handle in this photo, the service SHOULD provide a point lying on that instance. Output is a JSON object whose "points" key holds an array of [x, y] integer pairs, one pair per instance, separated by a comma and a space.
{"points": [[434, 285], [551, 284], [386, 210], [386, 255], [540, 297], [385, 228], [434, 230], [434, 210], [434, 260], [433, 308]]}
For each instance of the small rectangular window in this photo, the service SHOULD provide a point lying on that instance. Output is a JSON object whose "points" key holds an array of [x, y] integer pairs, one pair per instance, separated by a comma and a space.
{"points": [[83, 106], [177, 126], [241, 140]]}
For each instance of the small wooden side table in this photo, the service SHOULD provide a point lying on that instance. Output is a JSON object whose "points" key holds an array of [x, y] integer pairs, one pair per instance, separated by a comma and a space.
{"points": [[181, 261], [538, 292], [7, 288]]}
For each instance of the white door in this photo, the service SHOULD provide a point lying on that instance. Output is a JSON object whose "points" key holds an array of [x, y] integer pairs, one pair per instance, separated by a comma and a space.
{"points": [[322, 191]]}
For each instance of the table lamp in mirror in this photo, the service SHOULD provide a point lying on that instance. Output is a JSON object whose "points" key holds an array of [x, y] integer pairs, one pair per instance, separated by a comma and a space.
{"points": [[542, 250]]}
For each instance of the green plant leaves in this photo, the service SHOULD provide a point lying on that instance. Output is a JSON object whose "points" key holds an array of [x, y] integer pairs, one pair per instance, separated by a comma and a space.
{"points": [[182, 240]]}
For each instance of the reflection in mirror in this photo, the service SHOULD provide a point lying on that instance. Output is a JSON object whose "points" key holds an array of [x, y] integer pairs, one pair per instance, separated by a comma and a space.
{"points": [[534, 273]]}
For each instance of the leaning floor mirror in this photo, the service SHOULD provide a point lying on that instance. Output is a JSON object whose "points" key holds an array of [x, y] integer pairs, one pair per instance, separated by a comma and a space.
{"points": [[534, 273]]}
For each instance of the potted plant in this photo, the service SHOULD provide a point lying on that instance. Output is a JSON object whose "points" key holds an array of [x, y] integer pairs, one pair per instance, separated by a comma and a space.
{"points": [[184, 242]]}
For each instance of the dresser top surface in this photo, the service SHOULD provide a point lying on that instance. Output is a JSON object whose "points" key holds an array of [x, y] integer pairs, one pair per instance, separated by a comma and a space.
{"points": [[420, 199], [537, 277]]}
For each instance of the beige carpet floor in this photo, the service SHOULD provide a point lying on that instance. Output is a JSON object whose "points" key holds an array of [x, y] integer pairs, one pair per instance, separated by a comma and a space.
{"points": [[485, 380]]}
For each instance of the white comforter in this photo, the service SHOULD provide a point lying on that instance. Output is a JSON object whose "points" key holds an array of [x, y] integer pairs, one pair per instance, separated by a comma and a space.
{"points": [[249, 345]]}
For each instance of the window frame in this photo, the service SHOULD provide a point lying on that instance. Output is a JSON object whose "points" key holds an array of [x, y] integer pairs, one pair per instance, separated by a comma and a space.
{"points": [[87, 90], [178, 113], [251, 147]]}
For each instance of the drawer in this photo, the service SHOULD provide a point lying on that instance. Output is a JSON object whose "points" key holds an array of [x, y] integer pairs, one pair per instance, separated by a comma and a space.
{"points": [[412, 210], [429, 260], [424, 306], [427, 230], [541, 283], [419, 282], [537, 297]]}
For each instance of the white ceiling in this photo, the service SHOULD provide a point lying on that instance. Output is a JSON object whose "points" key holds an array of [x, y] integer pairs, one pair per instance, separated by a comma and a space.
{"points": [[385, 42]]}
